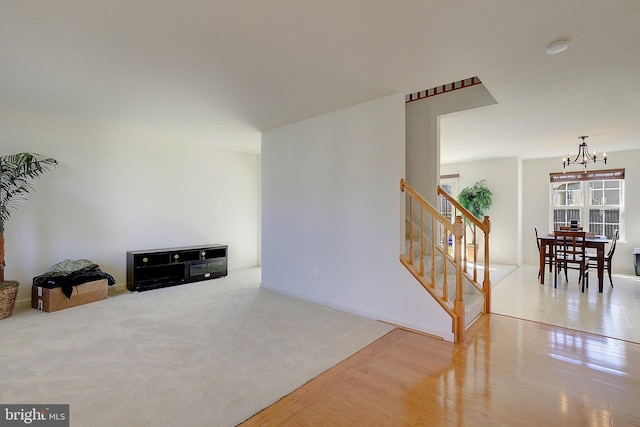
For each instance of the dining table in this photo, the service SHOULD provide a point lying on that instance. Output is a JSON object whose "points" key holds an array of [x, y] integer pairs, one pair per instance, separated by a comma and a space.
{"points": [[595, 242]]}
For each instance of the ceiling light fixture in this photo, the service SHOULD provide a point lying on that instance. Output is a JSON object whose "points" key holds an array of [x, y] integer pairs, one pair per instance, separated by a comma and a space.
{"points": [[583, 156], [557, 47]]}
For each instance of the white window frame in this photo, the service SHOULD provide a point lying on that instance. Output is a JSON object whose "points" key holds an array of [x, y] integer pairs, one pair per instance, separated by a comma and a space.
{"points": [[584, 199], [448, 182]]}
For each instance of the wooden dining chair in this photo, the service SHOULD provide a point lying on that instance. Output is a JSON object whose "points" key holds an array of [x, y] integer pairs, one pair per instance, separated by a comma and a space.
{"points": [[548, 256], [570, 254], [568, 228], [593, 258]]}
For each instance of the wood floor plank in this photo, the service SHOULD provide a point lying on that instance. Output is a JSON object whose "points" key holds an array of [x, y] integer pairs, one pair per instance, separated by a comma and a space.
{"points": [[510, 373]]}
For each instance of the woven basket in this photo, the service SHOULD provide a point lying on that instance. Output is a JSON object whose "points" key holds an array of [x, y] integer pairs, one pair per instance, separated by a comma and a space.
{"points": [[8, 292]]}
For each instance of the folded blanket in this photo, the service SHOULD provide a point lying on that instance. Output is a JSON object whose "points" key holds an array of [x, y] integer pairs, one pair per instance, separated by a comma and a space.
{"points": [[70, 273]]}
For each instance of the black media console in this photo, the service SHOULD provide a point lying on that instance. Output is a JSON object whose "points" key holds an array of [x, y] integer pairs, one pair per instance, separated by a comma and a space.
{"points": [[158, 268]]}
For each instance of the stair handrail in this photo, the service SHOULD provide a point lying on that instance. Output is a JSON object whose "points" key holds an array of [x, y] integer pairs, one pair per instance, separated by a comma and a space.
{"points": [[456, 229], [485, 227], [405, 187]]}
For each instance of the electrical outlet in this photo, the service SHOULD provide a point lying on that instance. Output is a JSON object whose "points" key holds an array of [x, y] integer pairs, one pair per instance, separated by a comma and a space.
{"points": [[316, 273]]}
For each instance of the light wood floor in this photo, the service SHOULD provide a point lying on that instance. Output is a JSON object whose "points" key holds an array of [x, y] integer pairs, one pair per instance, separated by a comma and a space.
{"points": [[613, 313], [512, 372]]}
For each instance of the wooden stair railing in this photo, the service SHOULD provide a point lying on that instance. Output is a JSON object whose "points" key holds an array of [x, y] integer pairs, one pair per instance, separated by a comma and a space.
{"points": [[434, 250], [475, 226]]}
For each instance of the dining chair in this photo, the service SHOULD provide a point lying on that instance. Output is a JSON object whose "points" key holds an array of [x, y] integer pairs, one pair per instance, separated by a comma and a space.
{"points": [[548, 256], [593, 258], [568, 228], [570, 254]]}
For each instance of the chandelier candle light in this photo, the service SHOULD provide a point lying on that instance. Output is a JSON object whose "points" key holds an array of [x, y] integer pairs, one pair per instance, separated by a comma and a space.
{"points": [[583, 156]]}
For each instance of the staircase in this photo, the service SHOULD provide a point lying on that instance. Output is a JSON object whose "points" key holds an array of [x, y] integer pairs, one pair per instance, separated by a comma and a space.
{"points": [[434, 255]]}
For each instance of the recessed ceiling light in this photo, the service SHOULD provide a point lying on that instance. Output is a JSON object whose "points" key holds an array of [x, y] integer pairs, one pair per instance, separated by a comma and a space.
{"points": [[557, 47]]}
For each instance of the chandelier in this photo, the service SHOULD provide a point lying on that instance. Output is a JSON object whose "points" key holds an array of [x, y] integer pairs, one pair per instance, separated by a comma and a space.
{"points": [[583, 156]]}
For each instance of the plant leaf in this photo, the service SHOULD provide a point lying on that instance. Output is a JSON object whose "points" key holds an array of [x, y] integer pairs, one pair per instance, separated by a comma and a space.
{"points": [[17, 173]]}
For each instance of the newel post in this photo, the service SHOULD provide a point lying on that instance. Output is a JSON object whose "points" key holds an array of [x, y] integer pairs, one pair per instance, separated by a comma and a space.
{"points": [[486, 283], [458, 303]]}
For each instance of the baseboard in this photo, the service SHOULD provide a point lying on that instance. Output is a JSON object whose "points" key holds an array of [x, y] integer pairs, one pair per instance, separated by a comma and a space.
{"points": [[417, 331]]}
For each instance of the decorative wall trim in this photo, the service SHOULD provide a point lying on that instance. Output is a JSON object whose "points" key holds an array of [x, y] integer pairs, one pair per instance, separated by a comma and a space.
{"points": [[460, 84], [586, 176]]}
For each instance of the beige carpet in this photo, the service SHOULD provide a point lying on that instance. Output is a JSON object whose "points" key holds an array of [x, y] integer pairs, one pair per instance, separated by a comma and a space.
{"points": [[204, 354]]}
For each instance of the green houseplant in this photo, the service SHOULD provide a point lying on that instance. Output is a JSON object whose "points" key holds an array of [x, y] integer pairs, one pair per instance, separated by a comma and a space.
{"points": [[17, 173], [476, 199]]}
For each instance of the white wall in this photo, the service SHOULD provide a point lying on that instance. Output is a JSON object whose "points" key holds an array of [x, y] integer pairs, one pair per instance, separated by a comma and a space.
{"points": [[502, 178], [331, 201], [423, 134], [536, 205], [523, 186], [121, 189]]}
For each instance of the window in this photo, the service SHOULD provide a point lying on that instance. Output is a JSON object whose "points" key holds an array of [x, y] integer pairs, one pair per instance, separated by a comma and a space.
{"points": [[594, 199], [449, 183]]}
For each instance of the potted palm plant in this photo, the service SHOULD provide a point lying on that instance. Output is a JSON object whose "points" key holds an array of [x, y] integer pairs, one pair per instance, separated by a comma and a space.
{"points": [[17, 173], [476, 199]]}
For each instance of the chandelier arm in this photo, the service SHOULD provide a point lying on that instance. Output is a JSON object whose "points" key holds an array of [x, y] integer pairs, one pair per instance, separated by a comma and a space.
{"points": [[584, 156]]}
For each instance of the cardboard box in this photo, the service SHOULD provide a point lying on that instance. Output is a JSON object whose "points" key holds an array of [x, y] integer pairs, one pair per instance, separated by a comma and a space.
{"points": [[53, 299]]}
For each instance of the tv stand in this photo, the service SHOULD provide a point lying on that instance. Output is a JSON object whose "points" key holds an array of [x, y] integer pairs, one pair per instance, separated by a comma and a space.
{"points": [[158, 268]]}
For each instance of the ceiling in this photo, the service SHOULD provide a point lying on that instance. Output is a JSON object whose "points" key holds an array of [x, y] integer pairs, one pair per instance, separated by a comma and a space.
{"points": [[220, 71]]}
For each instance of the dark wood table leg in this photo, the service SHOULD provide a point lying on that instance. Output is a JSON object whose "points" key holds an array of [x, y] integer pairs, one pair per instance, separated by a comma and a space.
{"points": [[543, 251], [600, 250]]}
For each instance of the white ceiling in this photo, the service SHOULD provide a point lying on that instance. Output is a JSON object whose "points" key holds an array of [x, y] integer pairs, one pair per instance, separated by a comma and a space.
{"points": [[218, 72]]}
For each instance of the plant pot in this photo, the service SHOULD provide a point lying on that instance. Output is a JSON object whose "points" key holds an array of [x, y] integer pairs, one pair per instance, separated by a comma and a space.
{"points": [[8, 292], [470, 253]]}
